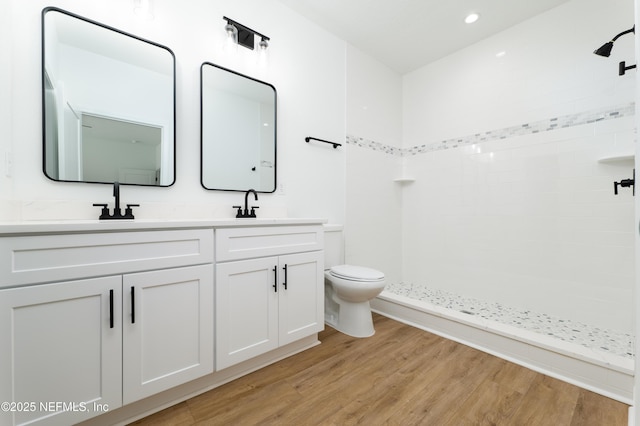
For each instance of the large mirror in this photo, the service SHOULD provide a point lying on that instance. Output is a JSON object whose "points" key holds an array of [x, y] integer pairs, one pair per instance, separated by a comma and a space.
{"points": [[108, 104], [238, 119]]}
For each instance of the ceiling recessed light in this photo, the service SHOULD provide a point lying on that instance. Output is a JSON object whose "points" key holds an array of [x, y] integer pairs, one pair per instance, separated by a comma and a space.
{"points": [[471, 18], [500, 54]]}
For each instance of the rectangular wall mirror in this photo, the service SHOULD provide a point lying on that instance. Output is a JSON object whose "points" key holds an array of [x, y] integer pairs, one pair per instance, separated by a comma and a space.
{"points": [[108, 104], [238, 131]]}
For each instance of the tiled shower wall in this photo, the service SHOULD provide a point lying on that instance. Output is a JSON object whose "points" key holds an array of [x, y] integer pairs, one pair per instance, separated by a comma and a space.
{"points": [[510, 202], [520, 225], [529, 220]]}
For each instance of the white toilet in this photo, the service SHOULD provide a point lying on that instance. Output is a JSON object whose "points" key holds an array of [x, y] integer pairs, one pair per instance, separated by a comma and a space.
{"points": [[348, 289]]}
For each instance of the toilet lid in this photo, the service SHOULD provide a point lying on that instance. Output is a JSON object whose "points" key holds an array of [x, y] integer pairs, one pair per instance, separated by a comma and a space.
{"points": [[356, 273]]}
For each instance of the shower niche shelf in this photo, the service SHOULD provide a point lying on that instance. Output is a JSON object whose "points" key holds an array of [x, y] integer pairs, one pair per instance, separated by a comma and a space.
{"points": [[404, 179], [617, 158]]}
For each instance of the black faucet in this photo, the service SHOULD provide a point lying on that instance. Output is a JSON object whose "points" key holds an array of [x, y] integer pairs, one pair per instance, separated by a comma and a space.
{"points": [[247, 213], [117, 212]]}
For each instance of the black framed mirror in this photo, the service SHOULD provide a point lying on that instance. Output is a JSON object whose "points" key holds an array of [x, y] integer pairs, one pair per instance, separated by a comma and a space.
{"points": [[238, 131], [108, 100]]}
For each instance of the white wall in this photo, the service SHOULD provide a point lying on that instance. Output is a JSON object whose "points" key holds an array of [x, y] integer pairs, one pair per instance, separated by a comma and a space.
{"points": [[6, 88], [527, 218], [306, 65], [373, 229]]}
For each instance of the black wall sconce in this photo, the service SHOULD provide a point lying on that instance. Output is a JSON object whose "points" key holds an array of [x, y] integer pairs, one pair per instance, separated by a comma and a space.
{"points": [[244, 36], [605, 50]]}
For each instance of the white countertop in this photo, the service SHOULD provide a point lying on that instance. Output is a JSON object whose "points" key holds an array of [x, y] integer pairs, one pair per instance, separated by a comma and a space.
{"points": [[12, 228]]}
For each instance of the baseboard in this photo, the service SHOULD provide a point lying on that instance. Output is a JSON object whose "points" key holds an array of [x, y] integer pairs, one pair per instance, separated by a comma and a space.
{"points": [[605, 374]]}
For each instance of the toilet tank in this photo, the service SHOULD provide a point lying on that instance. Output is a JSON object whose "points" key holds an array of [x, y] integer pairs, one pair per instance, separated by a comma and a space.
{"points": [[333, 246]]}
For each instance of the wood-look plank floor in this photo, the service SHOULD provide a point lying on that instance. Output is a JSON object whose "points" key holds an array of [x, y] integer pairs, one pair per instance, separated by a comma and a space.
{"points": [[400, 376]]}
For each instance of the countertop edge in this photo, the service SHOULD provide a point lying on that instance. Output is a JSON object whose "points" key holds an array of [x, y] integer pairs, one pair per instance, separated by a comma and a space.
{"points": [[39, 227]]}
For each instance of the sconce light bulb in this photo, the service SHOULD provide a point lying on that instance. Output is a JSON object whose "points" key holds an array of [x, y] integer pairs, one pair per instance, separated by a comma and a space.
{"points": [[263, 55], [230, 43]]}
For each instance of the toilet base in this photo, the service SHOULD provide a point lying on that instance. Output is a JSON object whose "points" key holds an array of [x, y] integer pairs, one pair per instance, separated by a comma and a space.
{"points": [[353, 319]]}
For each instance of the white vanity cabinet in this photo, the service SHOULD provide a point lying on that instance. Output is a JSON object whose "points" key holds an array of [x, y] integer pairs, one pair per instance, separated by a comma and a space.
{"points": [[93, 321], [269, 289]]}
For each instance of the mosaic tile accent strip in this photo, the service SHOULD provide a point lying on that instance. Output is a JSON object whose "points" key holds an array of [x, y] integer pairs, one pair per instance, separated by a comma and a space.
{"points": [[595, 338], [540, 126], [376, 146]]}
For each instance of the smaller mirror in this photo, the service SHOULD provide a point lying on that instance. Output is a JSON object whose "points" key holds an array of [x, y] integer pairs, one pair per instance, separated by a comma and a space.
{"points": [[238, 131]]}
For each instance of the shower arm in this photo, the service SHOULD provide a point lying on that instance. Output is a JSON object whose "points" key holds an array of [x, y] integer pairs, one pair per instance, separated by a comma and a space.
{"points": [[631, 30]]}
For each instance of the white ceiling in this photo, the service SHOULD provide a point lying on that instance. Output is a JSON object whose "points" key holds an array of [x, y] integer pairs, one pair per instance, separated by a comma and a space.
{"points": [[408, 34]]}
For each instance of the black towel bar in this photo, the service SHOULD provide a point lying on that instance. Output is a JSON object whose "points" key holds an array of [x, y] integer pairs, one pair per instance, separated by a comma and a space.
{"points": [[335, 144]]}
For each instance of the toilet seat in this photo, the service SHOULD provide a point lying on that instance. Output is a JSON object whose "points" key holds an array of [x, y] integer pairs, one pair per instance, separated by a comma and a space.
{"points": [[356, 273]]}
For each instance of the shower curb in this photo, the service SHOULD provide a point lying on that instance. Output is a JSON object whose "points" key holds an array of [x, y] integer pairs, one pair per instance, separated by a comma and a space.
{"points": [[605, 374]]}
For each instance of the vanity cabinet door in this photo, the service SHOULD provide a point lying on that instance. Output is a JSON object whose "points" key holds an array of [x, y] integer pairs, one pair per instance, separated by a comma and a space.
{"points": [[265, 303], [246, 310], [60, 351], [167, 329], [301, 300]]}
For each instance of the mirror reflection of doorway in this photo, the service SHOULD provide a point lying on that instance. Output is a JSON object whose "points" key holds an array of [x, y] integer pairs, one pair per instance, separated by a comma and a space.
{"points": [[123, 151]]}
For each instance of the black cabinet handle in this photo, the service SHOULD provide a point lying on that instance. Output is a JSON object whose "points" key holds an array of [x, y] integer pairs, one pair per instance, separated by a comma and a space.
{"points": [[285, 276], [110, 308], [275, 279], [133, 305]]}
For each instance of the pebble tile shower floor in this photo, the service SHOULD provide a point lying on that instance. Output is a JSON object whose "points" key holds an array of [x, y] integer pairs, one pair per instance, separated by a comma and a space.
{"points": [[609, 341]]}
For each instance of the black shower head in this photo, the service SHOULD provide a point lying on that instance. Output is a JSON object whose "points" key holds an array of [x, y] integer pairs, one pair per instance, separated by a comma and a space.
{"points": [[605, 49]]}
